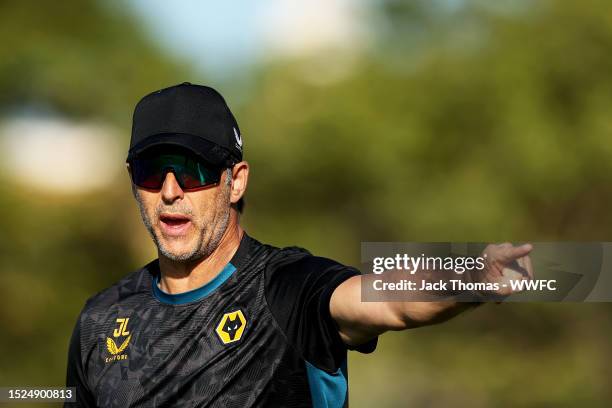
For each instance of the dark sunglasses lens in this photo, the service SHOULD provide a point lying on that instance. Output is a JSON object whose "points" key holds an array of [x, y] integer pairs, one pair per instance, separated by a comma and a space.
{"points": [[152, 181], [190, 171], [145, 174], [197, 175]]}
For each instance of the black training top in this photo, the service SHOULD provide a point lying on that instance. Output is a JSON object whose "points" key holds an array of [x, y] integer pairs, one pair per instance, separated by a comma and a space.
{"points": [[259, 334]]}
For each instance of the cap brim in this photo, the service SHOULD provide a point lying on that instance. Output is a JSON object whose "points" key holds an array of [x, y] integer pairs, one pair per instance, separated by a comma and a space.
{"points": [[211, 152]]}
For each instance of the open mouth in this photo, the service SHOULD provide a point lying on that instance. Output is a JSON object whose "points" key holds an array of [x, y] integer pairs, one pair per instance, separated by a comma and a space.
{"points": [[174, 224]]}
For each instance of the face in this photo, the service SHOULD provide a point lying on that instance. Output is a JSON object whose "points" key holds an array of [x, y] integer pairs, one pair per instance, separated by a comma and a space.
{"points": [[185, 225]]}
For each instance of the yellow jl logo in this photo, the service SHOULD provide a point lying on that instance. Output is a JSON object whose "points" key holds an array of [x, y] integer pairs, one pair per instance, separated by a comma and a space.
{"points": [[231, 326], [112, 347], [121, 331]]}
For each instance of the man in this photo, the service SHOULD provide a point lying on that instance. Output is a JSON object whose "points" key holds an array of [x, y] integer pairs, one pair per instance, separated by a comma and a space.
{"points": [[220, 319]]}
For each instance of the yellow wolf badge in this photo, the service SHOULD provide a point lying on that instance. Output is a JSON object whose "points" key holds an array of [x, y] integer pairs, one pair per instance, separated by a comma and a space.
{"points": [[231, 326]]}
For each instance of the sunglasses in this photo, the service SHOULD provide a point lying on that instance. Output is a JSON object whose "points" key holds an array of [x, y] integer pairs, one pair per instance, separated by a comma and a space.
{"points": [[191, 172]]}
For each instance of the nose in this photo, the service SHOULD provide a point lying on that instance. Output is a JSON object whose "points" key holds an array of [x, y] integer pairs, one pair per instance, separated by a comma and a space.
{"points": [[171, 190]]}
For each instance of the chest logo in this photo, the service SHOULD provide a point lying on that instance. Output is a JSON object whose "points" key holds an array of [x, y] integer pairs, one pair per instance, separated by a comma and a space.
{"points": [[231, 326], [114, 350]]}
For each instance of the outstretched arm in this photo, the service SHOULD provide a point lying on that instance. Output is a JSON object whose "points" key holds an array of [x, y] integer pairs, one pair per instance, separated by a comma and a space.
{"points": [[360, 321]]}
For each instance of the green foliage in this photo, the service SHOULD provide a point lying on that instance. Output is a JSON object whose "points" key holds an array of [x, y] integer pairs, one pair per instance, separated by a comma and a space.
{"points": [[78, 58], [506, 139]]}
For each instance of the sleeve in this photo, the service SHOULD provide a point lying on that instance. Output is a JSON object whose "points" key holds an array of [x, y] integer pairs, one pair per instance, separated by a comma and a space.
{"points": [[75, 374], [298, 294]]}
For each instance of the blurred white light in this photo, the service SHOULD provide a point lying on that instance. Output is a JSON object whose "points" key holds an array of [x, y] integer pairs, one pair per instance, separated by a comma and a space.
{"points": [[58, 155], [297, 27]]}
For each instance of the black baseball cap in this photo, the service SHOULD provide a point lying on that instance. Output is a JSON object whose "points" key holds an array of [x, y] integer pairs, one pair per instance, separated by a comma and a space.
{"points": [[192, 116]]}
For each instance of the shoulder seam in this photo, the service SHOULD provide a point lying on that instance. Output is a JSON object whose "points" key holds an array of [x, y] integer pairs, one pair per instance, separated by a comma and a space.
{"points": [[277, 324]]}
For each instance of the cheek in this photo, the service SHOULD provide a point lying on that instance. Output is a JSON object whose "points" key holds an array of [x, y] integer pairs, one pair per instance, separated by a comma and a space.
{"points": [[203, 215], [208, 210], [148, 203]]}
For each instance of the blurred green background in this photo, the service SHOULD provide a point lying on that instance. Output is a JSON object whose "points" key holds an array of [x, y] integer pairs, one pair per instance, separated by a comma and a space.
{"points": [[421, 121]]}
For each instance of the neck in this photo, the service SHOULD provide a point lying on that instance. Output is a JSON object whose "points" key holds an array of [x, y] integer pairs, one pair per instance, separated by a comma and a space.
{"points": [[179, 277]]}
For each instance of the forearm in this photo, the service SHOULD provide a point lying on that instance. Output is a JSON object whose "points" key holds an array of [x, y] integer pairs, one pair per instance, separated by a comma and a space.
{"points": [[360, 321], [418, 314], [428, 306]]}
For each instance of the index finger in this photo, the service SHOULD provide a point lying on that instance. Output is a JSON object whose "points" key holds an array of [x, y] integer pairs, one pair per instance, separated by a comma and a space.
{"points": [[512, 253]]}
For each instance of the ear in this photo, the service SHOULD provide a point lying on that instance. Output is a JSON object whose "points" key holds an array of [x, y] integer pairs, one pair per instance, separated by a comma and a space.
{"points": [[240, 178]]}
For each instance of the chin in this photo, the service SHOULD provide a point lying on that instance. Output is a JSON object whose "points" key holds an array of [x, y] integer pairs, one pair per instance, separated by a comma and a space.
{"points": [[179, 250], [179, 256], [176, 250]]}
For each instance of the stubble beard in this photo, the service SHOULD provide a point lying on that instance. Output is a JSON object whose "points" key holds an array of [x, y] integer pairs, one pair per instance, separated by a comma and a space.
{"points": [[209, 236]]}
